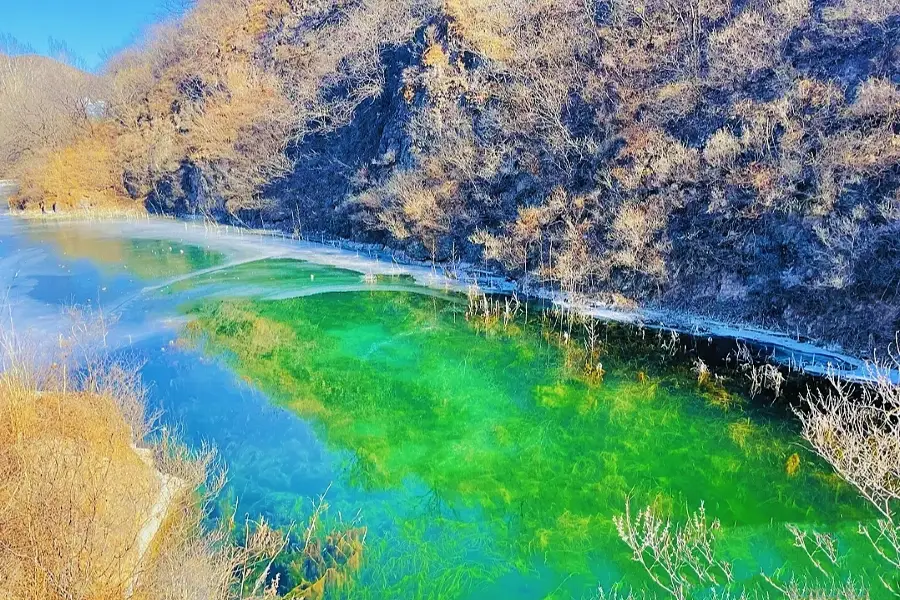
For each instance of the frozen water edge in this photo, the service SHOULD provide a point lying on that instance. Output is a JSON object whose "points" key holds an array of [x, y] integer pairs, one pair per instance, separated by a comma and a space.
{"points": [[794, 354], [241, 246]]}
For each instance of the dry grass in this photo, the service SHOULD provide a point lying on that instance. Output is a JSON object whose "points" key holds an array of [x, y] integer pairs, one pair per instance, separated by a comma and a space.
{"points": [[78, 498], [94, 507], [486, 25], [83, 175]]}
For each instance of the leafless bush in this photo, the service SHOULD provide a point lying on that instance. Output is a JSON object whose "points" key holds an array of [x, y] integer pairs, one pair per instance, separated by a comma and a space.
{"points": [[859, 436], [676, 557], [43, 105], [857, 430], [752, 41], [877, 97], [657, 160], [820, 548], [635, 236], [873, 11]]}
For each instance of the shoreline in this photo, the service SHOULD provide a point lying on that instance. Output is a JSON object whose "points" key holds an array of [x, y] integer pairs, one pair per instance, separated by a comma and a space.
{"points": [[807, 356]]}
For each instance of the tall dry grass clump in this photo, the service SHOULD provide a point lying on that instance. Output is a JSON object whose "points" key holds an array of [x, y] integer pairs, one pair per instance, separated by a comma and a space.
{"points": [[91, 507], [96, 504], [75, 494], [79, 501]]}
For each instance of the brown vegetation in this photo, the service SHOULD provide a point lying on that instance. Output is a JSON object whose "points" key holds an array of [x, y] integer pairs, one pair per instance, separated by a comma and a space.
{"points": [[44, 105], [74, 492], [739, 159], [93, 507]]}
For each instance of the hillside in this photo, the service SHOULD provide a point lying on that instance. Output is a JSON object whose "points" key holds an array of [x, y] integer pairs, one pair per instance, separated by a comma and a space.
{"points": [[44, 103], [733, 159]]}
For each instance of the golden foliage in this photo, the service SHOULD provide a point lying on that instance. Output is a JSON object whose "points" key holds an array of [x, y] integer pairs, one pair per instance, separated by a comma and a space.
{"points": [[83, 174], [75, 495]]}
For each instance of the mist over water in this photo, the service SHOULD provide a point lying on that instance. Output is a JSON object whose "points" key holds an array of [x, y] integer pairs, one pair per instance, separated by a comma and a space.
{"points": [[483, 460]]}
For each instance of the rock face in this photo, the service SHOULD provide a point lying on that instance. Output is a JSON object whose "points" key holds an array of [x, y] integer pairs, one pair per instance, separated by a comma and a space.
{"points": [[328, 168], [187, 192]]}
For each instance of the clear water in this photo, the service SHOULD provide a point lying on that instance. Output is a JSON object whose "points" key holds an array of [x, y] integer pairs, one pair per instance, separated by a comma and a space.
{"points": [[483, 461]]}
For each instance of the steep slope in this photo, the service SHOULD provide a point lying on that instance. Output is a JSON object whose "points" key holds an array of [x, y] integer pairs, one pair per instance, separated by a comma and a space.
{"points": [[742, 162], [737, 159]]}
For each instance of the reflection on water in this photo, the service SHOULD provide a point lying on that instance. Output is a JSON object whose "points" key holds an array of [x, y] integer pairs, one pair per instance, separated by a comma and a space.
{"points": [[146, 259]]}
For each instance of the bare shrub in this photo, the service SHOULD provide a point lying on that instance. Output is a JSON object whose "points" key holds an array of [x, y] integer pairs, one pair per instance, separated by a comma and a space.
{"points": [[486, 25], [748, 44], [722, 149], [858, 434], [676, 557], [635, 234], [856, 429], [877, 97], [872, 11], [655, 160], [864, 153], [43, 105]]}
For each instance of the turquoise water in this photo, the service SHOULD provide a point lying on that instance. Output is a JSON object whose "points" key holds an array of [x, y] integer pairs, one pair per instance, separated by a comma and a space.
{"points": [[485, 460]]}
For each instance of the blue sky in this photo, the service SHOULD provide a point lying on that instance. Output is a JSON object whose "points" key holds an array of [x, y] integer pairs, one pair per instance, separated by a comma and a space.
{"points": [[88, 27]]}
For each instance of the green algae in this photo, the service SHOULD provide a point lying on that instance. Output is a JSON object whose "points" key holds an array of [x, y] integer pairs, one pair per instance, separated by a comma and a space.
{"points": [[485, 465]]}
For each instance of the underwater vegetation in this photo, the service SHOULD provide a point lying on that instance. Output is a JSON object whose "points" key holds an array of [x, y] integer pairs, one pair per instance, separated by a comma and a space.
{"points": [[488, 454]]}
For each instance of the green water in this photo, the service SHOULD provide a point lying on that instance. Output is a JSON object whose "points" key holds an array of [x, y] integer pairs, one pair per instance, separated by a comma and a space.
{"points": [[487, 463], [484, 461], [280, 274]]}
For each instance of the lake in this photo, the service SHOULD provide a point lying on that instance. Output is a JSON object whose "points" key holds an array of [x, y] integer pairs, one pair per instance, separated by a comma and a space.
{"points": [[484, 453]]}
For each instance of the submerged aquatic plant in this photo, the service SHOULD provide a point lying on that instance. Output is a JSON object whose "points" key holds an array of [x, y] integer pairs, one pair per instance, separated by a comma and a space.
{"points": [[324, 561], [499, 443], [792, 465], [741, 431]]}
